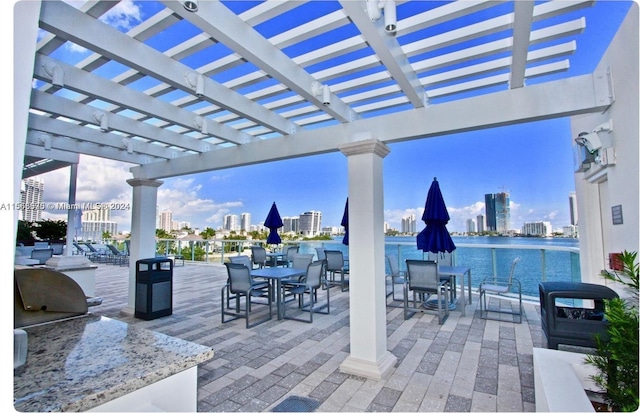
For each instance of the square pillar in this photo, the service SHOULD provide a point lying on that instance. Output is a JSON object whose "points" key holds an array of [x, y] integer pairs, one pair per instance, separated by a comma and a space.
{"points": [[143, 229], [367, 299]]}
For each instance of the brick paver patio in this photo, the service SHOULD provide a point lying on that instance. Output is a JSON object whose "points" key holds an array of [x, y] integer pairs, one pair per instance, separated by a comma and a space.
{"points": [[467, 364]]}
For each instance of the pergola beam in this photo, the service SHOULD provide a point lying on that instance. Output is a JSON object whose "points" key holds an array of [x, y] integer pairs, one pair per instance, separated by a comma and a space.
{"points": [[583, 94], [67, 22], [216, 19], [523, 16]]}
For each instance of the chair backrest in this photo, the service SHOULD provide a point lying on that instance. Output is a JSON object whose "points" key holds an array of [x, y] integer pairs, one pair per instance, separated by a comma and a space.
{"points": [[442, 258], [41, 254], [114, 250], [314, 273], [79, 247], [423, 274], [335, 260], [258, 255], [127, 245], [513, 270], [239, 277], [392, 260], [292, 250], [58, 249], [90, 247], [41, 245], [320, 253], [241, 259], [301, 261]]}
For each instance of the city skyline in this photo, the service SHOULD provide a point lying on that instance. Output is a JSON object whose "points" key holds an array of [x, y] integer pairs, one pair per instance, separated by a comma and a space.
{"points": [[534, 161]]}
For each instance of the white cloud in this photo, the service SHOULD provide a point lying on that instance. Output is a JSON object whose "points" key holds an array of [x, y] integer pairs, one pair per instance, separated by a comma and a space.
{"points": [[123, 15], [182, 197]]}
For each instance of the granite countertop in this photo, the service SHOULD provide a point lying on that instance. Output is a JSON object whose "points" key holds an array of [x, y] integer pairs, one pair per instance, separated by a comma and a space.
{"points": [[77, 364]]}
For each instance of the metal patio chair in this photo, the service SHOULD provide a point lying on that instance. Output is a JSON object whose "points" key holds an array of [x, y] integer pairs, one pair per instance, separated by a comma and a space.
{"points": [[423, 281]]}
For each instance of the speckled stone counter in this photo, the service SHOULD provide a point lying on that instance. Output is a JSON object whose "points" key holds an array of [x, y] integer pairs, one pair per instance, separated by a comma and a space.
{"points": [[80, 363]]}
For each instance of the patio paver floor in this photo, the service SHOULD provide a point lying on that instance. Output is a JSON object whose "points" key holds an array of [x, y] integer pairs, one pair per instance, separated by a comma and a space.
{"points": [[466, 364]]}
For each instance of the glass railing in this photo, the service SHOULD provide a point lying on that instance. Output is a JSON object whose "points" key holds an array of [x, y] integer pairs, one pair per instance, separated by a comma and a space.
{"points": [[537, 262]]}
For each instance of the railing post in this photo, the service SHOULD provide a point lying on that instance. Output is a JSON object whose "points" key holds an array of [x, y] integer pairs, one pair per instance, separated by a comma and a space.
{"points": [[494, 263], [544, 264]]}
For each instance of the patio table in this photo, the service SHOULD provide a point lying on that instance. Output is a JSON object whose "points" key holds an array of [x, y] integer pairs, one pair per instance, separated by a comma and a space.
{"points": [[276, 275], [273, 257], [458, 272]]}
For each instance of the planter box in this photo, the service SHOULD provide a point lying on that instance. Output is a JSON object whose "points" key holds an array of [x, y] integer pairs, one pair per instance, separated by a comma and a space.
{"points": [[561, 378]]}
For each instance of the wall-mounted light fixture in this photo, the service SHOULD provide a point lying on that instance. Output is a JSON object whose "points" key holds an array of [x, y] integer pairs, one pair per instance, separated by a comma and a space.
{"points": [[195, 81], [201, 123], [55, 73], [102, 120], [591, 147], [128, 143], [375, 8], [321, 91], [191, 5], [45, 139]]}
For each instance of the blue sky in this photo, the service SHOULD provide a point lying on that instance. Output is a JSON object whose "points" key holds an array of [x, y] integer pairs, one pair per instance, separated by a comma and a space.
{"points": [[533, 162]]}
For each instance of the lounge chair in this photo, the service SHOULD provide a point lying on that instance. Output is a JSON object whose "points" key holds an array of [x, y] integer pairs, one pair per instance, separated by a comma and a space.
{"points": [[117, 256]]}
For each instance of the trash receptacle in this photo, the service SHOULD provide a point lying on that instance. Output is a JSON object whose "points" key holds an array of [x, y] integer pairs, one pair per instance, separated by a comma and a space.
{"points": [[154, 288]]}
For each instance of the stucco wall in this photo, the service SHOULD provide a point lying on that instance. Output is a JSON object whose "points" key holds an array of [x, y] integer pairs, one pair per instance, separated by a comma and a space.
{"points": [[601, 188]]}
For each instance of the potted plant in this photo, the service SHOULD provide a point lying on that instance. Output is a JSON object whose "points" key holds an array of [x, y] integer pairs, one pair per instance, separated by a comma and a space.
{"points": [[616, 357]]}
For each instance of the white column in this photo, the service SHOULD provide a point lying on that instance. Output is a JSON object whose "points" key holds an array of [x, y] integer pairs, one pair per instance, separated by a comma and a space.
{"points": [[367, 306], [25, 38], [71, 212], [143, 229]]}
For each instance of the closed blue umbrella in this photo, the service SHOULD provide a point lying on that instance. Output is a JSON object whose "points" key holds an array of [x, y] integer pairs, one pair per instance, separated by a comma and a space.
{"points": [[435, 237], [273, 222], [345, 223]]}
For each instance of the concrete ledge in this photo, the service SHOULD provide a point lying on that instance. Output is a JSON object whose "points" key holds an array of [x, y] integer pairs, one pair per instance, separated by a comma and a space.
{"points": [[561, 378], [369, 369]]}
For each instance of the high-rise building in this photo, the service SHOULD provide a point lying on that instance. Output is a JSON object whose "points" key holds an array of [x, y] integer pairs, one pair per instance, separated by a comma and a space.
{"points": [[230, 222], [291, 224], [471, 226], [573, 208], [31, 192], [497, 212], [408, 224], [490, 211], [310, 223], [540, 228], [245, 222], [97, 221], [503, 212], [97, 214], [165, 221], [480, 223]]}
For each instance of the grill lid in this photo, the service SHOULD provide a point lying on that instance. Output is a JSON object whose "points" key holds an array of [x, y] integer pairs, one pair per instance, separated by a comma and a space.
{"points": [[43, 295]]}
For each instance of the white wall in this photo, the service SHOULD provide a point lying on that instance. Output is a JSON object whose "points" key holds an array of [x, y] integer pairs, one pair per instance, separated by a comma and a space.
{"points": [[600, 188]]}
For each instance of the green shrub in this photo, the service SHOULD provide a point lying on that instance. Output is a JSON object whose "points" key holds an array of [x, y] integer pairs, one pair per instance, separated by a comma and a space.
{"points": [[616, 355]]}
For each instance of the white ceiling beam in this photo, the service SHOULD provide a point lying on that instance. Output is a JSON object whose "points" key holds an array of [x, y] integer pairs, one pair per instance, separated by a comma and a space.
{"points": [[105, 90], [548, 100], [84, 113], [67, 22], [90, 148], [216, 19], [449, 11], [268, 10], [387, 48], [98, 137], [523, 17], [53, 154]]}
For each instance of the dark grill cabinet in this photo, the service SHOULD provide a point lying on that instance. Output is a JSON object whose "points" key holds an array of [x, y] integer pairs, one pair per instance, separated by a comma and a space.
{"points": [[572, 325], [154, 288]]}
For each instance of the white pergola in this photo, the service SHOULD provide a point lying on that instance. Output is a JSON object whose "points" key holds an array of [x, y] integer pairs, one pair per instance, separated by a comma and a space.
{"points": [[251, 82]]}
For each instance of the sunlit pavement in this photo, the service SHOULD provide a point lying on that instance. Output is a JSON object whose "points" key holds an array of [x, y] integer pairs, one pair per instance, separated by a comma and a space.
{"points": [[467, 364]]}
